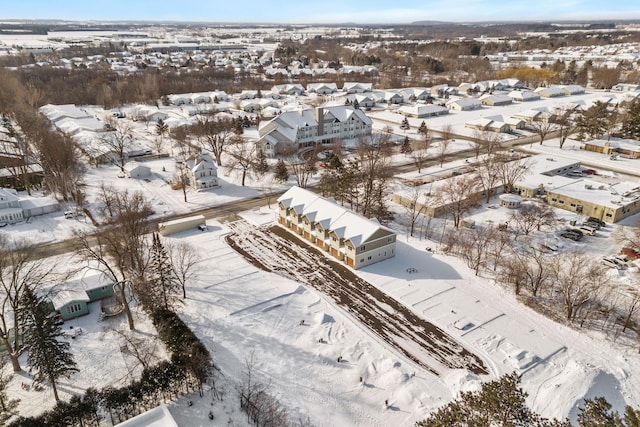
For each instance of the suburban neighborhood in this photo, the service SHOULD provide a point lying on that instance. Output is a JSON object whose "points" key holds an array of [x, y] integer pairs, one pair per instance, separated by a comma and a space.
{"points": [[310, 225]]}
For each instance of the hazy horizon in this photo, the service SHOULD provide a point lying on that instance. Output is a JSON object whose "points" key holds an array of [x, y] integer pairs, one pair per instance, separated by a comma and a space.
{"points": [[323, 12]]}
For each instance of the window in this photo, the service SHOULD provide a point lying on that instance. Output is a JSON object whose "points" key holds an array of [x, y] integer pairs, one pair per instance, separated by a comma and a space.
{"points": [[368, 258], [74, 308], [361, 259], [362, 248]]}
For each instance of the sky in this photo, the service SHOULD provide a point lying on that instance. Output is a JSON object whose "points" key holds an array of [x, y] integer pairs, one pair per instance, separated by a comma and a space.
{"points": [[322, 11]]}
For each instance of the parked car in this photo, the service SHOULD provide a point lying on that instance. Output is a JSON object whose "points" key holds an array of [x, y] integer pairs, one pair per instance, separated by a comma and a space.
{"points": [[592, 224], [589, 171], [597, 221], [621, 259], [3, 224], [577, 231], [610, 263], [631, 253], [571, 235], [590, 231]]}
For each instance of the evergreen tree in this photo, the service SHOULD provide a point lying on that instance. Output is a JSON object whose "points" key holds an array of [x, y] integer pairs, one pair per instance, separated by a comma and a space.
{"points": [[423, 128], [631, 122], [406, 146], [161, 128], [238, 127], [598, 413], [281, 173], [497, 403], [164, 287], [356, 104], [261, 166], [50, 358], [405, 124]]}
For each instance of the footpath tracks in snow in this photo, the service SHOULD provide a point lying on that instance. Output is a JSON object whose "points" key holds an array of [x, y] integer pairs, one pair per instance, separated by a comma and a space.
{"points": [[277, 250]]}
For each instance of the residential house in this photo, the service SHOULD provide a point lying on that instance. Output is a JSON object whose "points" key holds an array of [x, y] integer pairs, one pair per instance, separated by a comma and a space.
{"points": [[71, 303], [443, 91], [249, 105], [203, 172], [572, 89], [288, 89], [345, 235], [550, 92], [137, 170], [495, 100], [322, 88], [364, 101], [10, 209], [523, 95], [354, 87], [626, 87], [464, 104], [478, 124], [527, 116], [307, 127], [422, 110], [413, 94]]}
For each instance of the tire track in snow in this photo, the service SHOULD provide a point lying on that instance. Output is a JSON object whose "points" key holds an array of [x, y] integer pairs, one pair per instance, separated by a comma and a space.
{"points": [[277, 250]]}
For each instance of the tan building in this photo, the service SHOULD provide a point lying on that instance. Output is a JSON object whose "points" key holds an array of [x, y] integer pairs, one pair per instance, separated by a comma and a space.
{"points": [[347, 236], [628, 148], [558, 182]]}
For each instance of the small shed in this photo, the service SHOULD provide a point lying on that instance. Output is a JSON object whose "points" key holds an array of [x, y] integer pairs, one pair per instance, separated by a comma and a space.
{"points": [[137, 170], [511, 201], [71, 303]]}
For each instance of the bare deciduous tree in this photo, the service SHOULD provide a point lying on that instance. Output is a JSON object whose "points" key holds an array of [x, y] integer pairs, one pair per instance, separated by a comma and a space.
{"points": [[184, 259], [443, 145], [542, 128], [474, 246], [415, 206], [302, 169], [214, 134], [529, 217], [457, 196], [579, 281], [511, 170], [18, 269], [119, 140], [243, 156]]}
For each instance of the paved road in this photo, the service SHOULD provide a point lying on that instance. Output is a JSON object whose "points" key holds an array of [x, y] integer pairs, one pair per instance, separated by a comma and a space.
{"points": [[229, 211]]}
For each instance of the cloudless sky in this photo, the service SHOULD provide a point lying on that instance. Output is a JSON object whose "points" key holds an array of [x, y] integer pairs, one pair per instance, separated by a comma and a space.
{"points": [[321, 11]]}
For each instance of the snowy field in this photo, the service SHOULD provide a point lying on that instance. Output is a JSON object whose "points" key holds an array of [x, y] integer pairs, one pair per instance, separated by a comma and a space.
{"points": [[239, 311]]}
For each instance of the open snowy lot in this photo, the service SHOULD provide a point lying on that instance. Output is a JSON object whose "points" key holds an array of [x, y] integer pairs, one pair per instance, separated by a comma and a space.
{"points": [[239, 310]]}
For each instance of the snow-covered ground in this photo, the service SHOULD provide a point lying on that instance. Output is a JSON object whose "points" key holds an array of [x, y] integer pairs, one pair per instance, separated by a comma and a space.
{"points": [[238, 310]]}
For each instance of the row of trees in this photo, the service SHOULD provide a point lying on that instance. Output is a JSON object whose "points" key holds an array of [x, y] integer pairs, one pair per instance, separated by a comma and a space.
{"points": [[502, 402]]}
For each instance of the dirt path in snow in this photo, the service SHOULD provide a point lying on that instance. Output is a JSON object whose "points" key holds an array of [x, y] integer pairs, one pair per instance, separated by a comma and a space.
{"points": [[277, 250]]}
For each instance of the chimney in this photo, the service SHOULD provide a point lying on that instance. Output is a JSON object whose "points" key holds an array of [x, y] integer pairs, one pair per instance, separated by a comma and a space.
{"points": [[320, 120]]}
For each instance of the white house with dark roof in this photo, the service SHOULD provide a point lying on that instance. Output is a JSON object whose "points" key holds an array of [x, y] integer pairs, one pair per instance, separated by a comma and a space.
{"points": [[307, 127], [345, 235]]}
